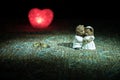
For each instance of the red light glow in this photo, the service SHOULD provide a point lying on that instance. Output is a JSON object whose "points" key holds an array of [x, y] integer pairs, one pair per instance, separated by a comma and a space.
{"points": [[40, 18]]}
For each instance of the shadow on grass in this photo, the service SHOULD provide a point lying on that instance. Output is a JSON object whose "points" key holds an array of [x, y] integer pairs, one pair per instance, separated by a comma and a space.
{"points": [[69, 45]]}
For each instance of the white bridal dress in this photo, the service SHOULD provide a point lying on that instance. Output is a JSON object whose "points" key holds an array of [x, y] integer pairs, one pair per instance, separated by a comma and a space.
{"points": [[89, 43]]}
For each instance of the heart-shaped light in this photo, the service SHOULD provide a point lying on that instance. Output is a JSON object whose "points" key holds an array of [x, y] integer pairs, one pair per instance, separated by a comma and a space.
{"points": [[40, 18]]}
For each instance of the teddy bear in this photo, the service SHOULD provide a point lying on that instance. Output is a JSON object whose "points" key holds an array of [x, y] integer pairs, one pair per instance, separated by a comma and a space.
{"points": [[88, 40], [78, 39]]}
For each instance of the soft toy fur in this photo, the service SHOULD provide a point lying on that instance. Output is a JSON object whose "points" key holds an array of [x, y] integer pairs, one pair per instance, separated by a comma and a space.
{"points": [[80, 30], [84, 38]]}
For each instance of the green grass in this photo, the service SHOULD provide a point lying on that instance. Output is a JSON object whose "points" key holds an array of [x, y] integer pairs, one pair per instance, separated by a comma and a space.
{"points": [[59, 62]]}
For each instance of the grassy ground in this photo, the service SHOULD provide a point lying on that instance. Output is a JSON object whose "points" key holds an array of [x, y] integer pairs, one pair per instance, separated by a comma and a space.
{"points": [[20, 59]]}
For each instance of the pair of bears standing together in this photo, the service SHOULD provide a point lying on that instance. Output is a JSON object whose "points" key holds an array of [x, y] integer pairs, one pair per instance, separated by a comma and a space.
{"points": [[84, 38]]}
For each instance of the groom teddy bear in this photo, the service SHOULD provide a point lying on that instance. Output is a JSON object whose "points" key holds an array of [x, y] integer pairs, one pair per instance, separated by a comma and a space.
{"points": [[84, 38], [78, 40]]}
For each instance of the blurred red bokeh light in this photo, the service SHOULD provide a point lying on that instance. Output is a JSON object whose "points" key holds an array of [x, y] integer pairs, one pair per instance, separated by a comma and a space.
{"points": [[40, 18]]}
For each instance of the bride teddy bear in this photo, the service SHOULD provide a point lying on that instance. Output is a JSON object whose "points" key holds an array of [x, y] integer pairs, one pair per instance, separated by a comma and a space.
{"points": [[84, 38]]}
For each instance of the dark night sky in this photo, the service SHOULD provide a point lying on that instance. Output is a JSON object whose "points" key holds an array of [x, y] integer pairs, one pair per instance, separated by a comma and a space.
{"points": [[62, 8], [85, 10]]}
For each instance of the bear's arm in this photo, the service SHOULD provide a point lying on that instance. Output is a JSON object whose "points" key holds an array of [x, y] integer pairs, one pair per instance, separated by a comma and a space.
{"points": [[89, 38]]}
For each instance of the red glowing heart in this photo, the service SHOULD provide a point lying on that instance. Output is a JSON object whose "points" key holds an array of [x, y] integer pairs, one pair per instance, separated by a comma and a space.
{"points": [[40, 18]]}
